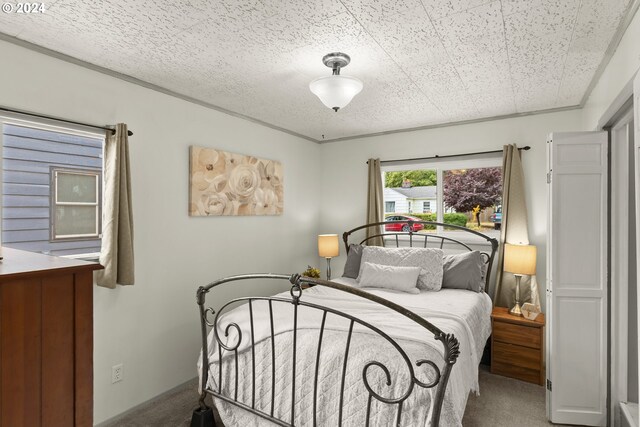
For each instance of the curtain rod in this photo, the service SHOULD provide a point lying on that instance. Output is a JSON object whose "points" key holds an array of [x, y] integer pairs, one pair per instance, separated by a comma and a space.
{"points": [[526, 148], [42, 116]]}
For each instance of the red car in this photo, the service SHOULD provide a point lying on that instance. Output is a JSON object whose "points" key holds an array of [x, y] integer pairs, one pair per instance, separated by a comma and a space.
{"points": [[401, 226]]}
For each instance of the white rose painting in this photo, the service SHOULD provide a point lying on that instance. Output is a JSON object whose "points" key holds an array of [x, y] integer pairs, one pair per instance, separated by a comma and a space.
{"points": [[223, 183]]}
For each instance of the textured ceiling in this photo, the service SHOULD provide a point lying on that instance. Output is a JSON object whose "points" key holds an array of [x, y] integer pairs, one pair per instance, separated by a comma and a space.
{"points": [[423, 62]]}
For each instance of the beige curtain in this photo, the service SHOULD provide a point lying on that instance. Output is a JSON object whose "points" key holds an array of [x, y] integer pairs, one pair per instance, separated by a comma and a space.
{"points": [[514, 230], [116, 254], [375, 202]]}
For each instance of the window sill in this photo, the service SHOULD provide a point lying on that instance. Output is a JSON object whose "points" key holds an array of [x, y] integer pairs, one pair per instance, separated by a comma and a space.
{"points": [[91, 257]]}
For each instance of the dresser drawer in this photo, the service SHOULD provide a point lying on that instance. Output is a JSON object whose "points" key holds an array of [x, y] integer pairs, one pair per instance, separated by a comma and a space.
{"points": [[517, 355], [529, 375], [517, 334]]}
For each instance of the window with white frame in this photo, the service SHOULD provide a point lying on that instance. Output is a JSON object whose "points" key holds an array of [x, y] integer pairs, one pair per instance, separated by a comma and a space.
{"points": [[390, 206], [51, 187], [467, 191], [75, 207]]}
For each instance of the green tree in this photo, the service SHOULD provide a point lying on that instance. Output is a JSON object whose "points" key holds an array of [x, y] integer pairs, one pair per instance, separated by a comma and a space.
{"points": [[418, 178]]}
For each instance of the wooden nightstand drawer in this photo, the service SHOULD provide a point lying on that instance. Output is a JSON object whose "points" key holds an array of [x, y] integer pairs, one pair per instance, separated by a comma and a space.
{"points": [[517, 372], [517, 334], [517, 346], [508, 354]]}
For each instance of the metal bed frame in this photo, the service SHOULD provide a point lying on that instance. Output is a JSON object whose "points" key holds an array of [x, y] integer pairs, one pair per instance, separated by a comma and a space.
{"points": [[203, 415]]}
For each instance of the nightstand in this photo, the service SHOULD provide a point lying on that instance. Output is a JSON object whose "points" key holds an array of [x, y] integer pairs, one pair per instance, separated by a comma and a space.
{"points": [[517, 346]]}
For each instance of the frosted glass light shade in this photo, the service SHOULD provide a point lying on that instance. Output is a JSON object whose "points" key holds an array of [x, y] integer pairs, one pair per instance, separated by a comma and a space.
{"points": [[328, 245], [336, 91], [520, 259]]}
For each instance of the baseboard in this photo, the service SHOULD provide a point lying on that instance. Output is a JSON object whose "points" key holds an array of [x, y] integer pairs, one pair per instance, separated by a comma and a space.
{"points": [[628, 414], [113, 419]]}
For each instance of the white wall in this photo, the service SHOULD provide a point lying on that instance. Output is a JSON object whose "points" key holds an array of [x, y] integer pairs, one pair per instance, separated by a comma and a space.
{"points": [[152, 327], [344, 177]]}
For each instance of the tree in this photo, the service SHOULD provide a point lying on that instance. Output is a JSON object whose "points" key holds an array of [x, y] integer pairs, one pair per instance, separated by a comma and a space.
{"points": [[467, 189], [418, 178]]}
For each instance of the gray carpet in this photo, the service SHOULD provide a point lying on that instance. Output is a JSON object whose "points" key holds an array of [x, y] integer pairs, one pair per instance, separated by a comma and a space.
{"points": [[503, 402]]}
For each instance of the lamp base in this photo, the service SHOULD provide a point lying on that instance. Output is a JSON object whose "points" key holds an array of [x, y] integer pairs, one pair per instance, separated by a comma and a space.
{"points": [[516, 310]]}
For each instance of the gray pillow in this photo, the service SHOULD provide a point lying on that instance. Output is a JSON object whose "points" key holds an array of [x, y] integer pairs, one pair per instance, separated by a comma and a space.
{"points": [[352, 266], [428, 259], [464, 271]]}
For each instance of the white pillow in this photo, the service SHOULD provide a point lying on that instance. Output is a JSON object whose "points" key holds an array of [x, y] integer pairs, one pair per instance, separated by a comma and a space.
{"points": [[428, 259], [389, 277]]}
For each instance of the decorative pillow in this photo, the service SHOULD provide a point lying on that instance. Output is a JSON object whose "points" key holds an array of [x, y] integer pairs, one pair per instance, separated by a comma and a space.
{"points": [[402, 279], [464, 271], [352, 266], [428, 259]]}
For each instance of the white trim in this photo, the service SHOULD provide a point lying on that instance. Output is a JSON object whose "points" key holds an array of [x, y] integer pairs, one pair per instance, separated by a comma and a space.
{"points": [[617, 107], [629, 413], [471, 162], [620, 175], [440, 200], [26, 120]]}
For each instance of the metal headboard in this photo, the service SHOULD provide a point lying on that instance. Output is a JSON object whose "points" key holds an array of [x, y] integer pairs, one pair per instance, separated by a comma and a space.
{"points": [[423, 239], [203, 416]]}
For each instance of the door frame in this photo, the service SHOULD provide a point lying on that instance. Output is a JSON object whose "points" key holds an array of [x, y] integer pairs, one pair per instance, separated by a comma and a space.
{"points": [[620, 137]]}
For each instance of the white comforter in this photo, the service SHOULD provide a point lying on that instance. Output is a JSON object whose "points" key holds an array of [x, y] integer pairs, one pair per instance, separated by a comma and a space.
{"points": [[463, 313]]}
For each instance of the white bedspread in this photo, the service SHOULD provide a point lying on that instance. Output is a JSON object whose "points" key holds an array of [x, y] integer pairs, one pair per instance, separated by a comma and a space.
{"points": [[463, 313]]}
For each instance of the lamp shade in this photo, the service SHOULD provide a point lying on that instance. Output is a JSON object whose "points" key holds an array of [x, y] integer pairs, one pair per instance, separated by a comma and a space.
{"points": [[520, 259], [328, 245], [336, 91]]}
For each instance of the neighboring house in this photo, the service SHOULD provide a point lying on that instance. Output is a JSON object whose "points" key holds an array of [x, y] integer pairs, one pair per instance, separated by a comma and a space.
{"points": [[410, 199], [51, 185]]}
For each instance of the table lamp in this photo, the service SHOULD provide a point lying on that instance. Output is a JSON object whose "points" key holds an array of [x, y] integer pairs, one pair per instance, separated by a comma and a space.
{"points": [[328, 247], [519, 260]]}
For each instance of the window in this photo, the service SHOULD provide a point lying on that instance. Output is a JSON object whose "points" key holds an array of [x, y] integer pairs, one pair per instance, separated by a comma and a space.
{"points": [[389, 206], [465, 193], [75, 208], [51, 187]]}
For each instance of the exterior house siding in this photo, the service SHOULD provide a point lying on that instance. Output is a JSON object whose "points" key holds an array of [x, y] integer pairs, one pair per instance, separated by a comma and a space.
{"points": [[401, 202], [27, 158], [417, 205], [405, 203]]}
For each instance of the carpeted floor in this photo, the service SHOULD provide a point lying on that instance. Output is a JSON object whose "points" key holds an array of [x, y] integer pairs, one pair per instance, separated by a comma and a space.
{"points": [[503, 402]]}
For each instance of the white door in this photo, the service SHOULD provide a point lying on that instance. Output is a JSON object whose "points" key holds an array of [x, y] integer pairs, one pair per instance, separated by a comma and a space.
{"points": [[577, 279]]}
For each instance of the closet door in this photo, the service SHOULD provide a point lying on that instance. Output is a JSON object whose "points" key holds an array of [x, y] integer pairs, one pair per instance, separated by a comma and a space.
{"points": [[577, 279]]}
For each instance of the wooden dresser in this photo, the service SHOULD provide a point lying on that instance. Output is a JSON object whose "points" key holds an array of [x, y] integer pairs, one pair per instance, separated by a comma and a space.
{"points": [[46, 340], [517, 346]]}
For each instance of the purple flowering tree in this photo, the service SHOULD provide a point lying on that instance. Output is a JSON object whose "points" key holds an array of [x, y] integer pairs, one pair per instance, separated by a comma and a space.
{"points": [[466, 189]]}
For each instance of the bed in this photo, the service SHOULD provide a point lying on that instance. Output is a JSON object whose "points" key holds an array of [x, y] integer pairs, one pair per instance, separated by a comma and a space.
{"points": [[338, 353]]}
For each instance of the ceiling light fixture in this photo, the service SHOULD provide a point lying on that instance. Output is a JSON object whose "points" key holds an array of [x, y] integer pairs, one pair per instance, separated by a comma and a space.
{"points": [[336, 91]]}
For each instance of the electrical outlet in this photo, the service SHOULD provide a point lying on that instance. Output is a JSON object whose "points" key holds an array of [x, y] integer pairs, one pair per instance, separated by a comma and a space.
{"points": [[116, 373]]}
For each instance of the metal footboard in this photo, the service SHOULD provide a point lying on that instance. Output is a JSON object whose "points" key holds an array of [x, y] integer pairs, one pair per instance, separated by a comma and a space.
{"points": [[209, 319]]}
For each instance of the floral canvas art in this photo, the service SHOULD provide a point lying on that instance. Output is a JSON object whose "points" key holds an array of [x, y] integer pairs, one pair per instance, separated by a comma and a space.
{"points": [[224, 183]]}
